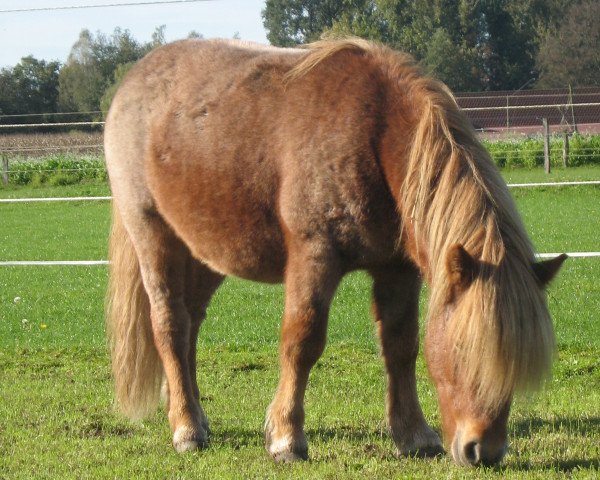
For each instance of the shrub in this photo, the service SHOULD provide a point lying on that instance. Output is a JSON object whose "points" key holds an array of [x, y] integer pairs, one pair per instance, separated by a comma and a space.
{"points": [[583, 150], [57, 170]]}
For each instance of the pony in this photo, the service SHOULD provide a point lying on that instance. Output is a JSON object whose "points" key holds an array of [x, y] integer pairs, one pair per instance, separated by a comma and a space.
{"points": [[299, 166]]}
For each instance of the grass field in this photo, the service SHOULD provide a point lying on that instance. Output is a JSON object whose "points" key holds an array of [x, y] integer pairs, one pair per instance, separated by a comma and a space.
{"points": [[56, 414]]}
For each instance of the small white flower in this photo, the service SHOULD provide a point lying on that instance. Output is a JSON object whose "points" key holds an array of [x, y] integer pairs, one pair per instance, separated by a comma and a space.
{"points": [[17, 300]]}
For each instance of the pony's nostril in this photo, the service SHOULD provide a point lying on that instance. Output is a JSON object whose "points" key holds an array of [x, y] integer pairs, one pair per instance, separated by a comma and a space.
{"points": [[472, 453]]}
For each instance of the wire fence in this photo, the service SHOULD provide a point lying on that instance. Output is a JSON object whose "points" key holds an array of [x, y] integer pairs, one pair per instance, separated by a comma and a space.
{"points": [[569, 110], [502, 118]]}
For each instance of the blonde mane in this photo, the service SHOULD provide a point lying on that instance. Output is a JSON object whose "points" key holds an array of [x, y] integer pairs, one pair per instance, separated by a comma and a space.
{"points": [[501, 335]]}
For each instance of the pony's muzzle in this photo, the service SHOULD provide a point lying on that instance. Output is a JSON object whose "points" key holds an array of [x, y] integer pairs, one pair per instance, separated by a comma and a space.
{"points": [[475, 452]]}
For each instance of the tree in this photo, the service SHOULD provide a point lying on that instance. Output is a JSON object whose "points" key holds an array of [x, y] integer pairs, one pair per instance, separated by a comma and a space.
{"points": [[292, 22], [451, 63], [91, 66], [195, 34], [571, 54], [493, 42], [81, 77], [31, 86], [158, 38], [109, 93]]}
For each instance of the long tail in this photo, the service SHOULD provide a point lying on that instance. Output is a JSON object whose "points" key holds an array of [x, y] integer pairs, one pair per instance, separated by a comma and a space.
{"points": [[136, 366]]}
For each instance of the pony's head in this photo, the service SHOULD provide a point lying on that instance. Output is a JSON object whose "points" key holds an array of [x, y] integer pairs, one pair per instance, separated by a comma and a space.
{"points": [[489, 335], [489, 332]]}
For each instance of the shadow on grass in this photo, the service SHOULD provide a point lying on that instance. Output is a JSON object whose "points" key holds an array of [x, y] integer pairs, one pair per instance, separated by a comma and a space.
{"points": [[369, 441], [577, 427]]}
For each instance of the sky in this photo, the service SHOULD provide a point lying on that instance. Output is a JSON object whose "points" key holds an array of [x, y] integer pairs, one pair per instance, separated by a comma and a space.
{"points": [[49, 35]]}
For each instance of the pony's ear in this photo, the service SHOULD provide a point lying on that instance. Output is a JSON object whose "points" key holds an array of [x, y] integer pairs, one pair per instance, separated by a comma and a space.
{"points": [[461, 267], [545, 271]]}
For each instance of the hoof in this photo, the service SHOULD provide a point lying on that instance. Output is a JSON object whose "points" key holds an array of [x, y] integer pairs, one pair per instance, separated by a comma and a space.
{"points": [[289, 457], [287, 450], [424, 443], [187, 440]]}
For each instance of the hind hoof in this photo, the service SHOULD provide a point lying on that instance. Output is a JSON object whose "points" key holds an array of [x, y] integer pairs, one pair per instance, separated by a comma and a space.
{"points": [[188, 440]]}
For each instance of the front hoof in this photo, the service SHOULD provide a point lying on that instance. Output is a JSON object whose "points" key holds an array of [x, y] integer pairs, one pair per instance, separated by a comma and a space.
{"points": [[289, 457], [186, 439], [423, 443], [287, 449]]}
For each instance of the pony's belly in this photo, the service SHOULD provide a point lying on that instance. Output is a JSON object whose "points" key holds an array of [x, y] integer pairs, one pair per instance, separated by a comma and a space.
{"points": [[226, 219], [252, 255]]}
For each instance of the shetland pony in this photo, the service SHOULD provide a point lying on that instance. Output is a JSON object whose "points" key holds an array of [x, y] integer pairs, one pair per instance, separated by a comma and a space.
{"points": [[299, 166]]}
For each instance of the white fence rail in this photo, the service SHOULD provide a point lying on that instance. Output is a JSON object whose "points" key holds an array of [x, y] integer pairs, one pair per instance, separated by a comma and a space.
{"points": [[23, 263], [88, 263], [52, 199], [81, 199]]}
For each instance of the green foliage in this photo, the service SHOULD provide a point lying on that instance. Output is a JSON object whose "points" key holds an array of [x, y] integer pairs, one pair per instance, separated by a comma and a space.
{"points": [[569, 53], [95, 65], [92, 65], [529, 153], [450, 62], [71, 169], [474, 45], [31, 86], [109, 93], [292, 22], [57, 170], [584, 150]]}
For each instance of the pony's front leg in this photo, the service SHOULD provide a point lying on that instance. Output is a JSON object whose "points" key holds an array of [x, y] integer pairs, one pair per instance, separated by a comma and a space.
{"points": [[395, 307], [312, 276]]}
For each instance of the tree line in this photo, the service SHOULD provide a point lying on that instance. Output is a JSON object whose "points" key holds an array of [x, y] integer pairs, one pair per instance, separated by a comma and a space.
{"points": [[472, 45], [84, 83]]}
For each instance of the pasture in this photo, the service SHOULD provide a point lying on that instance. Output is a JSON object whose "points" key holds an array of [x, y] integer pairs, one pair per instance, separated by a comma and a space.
{"points": [[56, 413]]}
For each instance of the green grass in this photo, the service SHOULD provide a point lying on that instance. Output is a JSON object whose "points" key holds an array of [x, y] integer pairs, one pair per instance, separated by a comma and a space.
{"points": [[56, 413], [561, 219], [63, 425], [54, 231], [90, 189], [559, 174]]}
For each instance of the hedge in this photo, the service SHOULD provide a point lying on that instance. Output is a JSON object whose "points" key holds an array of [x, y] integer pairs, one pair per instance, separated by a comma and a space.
{"points": [[529, 153]]}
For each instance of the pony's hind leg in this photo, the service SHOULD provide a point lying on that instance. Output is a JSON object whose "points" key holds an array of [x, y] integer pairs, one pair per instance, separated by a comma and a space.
{"points": [[311, 279], [163, 260], [201, 284], [395, 308]]}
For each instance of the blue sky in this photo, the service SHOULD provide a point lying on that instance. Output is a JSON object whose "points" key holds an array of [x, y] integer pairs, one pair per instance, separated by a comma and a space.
{"points": [[49, 35]]}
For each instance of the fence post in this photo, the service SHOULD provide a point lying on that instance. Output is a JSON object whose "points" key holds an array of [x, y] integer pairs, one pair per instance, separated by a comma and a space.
{"points": [[565, 149], [5, 168], [546, 145], [572, 108]]}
